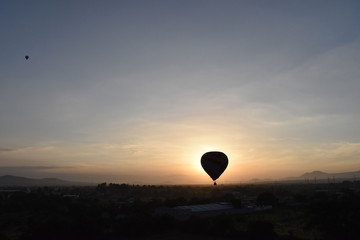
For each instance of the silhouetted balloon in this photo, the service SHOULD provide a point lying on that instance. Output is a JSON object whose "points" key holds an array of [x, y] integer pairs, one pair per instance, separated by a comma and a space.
{"points": [[26, 57], [214, 164]]}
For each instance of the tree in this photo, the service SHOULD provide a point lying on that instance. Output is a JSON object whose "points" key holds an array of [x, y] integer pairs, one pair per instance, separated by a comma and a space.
{"points": [[266, 198]]}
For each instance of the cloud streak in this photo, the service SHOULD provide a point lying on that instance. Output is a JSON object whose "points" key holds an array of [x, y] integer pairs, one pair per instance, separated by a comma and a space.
{"points": [[145, 89]]}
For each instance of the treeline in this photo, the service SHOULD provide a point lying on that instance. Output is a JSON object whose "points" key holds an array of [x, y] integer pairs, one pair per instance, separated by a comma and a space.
{"points": [[121, 211], [43, 216]]}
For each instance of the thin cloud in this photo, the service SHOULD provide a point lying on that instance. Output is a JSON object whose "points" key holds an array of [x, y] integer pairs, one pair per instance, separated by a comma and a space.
{"points": [[8, 149], [13, 150], [33, 168]]}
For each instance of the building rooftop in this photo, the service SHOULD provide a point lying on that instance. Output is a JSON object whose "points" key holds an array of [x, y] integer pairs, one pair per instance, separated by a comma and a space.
{"points": [[206, 207]]}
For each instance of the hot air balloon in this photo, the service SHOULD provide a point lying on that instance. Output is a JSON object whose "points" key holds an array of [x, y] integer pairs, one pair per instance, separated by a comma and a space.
{"points": [[26, 57], [214, 164]]}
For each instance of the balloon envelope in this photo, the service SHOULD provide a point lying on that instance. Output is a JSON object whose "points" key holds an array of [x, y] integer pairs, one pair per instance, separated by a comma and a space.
{"points": [[214, 164]]}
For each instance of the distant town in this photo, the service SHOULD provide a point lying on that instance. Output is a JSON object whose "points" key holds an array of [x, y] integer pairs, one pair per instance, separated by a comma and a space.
{"points": [[277, 210]]}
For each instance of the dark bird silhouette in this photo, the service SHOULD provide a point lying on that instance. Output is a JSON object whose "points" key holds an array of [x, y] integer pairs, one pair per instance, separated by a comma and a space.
{"points": [[26, 57]]}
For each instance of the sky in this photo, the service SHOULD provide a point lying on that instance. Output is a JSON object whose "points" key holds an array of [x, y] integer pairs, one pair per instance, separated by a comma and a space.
{"points": [[136, 91]]}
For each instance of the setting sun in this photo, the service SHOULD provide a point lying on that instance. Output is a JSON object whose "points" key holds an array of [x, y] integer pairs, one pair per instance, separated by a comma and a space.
{"points": [[139, 93]]}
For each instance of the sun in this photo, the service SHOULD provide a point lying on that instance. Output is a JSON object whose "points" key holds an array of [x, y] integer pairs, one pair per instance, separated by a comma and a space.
{"points": [[194, 149], [196, 157]]}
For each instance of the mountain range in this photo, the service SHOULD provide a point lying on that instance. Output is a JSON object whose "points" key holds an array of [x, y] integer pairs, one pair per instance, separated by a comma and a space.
{"points": [[314, 176], [319, 175], [323, 175], [9, 180]]}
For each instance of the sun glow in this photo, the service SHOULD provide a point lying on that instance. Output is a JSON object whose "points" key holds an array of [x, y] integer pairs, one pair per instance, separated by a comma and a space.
{"points": [[195, 159]]}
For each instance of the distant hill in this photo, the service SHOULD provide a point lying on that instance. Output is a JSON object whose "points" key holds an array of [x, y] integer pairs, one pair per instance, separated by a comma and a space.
{"points": [[315, 174], [9, 180], [323, 175]]}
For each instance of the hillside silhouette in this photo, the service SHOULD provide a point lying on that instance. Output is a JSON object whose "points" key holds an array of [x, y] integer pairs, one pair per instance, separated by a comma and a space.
{"points": [[9, 180]]}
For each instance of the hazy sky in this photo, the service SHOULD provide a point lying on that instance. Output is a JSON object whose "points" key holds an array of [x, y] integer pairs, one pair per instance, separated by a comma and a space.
{"points": [[136, 91]]}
